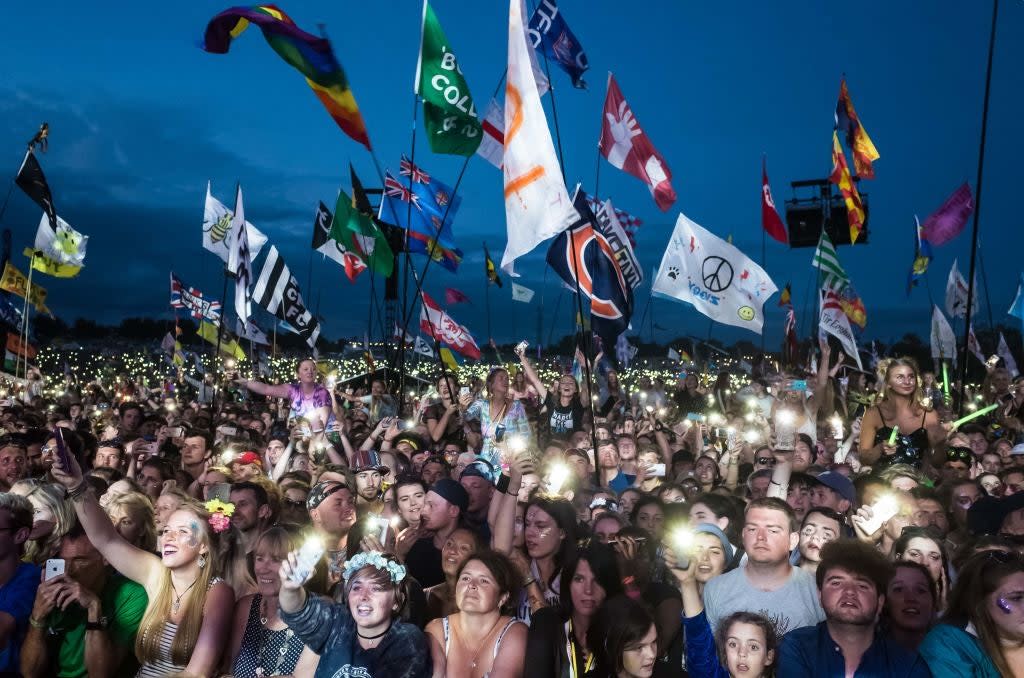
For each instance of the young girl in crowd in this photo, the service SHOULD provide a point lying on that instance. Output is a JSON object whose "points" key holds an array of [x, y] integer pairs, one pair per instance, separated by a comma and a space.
{"points": [[460, 546], [624, 640], [911, 603], [186, 623], [364, 636]]}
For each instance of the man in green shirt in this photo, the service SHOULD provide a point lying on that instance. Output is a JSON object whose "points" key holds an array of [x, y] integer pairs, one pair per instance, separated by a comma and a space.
{"points": [[83, 622]]}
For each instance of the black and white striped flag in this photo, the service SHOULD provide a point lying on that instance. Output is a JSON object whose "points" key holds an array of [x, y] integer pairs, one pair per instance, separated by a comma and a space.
{"points": [[239, 261], [278, 292]]}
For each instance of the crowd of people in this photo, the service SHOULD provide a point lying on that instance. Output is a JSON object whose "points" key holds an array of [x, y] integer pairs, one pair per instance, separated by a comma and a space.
{"points": [[833, 523]]}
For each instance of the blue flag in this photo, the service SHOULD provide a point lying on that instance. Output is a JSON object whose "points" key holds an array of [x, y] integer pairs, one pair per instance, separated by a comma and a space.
{"points": [[1017, 309], [549, 32], [583, 247], [431, 201]]}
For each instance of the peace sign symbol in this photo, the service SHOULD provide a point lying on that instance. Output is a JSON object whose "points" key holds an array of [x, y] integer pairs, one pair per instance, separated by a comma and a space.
{"points": [[716, 273]]}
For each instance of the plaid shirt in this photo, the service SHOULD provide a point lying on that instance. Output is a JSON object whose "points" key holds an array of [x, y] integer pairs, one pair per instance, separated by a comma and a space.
{"points": [[329, 630]]}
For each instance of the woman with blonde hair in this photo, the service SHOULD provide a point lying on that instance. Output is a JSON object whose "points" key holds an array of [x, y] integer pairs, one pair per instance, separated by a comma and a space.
{"points": [[187, 619], [901, 406], [52, 518], [134, 519]]}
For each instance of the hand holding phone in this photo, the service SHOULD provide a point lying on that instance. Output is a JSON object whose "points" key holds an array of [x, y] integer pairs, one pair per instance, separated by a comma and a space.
{"points": [[54, 568]]}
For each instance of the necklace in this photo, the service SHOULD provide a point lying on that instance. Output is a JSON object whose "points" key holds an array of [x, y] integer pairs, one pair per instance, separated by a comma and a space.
{"points": [[176, 605], [480, 645], [379, 635]]}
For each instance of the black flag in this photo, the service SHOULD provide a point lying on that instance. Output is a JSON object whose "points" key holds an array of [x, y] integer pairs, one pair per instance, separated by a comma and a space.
{"points": [[32, 180]]}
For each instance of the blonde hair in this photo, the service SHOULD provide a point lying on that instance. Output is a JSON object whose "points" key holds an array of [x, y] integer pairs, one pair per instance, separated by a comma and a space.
{"points": [[52, 496], [140, 509], [158, 611], [917, 400]]}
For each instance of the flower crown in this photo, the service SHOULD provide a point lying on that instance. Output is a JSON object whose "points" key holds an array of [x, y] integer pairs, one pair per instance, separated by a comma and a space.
{"points": [[375, 559], [220, 514]]}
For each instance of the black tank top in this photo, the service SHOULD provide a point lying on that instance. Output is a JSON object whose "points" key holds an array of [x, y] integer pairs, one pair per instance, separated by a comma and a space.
{"points": [[910, 448]]}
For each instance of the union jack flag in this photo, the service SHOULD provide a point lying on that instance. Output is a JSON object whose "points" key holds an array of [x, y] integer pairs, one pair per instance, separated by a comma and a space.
{"points": [[407, 169], [192, 299], [394, 189]]}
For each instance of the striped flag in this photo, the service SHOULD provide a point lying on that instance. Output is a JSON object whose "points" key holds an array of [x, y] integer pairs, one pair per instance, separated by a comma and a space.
{"points": [[278, 292], [239, 261], [827, 261]]}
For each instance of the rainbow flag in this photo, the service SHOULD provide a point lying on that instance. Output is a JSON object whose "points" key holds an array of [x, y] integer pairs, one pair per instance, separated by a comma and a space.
{"points": [[308, 54]]}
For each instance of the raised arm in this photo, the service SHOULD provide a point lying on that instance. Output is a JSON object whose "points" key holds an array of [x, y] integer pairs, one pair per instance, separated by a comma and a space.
{"points": [[821, 378], [271, 390], [138, 565], [531, 376]]}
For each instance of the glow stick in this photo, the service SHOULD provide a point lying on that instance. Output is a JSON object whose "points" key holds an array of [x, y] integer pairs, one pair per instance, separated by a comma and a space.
{"points": [[892, 436], [975, 415], [945, 379]]}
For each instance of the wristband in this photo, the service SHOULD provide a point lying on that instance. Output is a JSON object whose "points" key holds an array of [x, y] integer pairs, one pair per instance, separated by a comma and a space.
{"points": [[78, 490], [35, 623], [502, 483], [528, 582]]}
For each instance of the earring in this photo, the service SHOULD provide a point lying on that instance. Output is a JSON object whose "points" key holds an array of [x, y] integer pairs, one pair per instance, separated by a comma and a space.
{"points": [[202, 561]]}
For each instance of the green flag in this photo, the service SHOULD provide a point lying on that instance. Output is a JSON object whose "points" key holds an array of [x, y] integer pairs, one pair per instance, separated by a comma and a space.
{"points": [[359, 234], [452, 125]]}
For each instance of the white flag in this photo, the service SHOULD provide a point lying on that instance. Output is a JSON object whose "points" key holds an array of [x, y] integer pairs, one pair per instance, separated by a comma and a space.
{"points": [[1004, 353], [423, 348], [834, 321], [249, 330], [956, 294], [217, 227], [974, 346], [701, 269], [65, 246], [520, 293], [537, 204], [673, 355], [943, 339], [239, 259], [492, 144]]}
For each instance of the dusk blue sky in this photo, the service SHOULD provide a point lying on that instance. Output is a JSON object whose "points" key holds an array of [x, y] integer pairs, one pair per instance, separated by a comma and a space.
{"points": [[140, 118]]}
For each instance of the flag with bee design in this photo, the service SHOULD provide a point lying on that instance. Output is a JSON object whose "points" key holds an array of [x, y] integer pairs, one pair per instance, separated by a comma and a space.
{"points": [[217, 225]]}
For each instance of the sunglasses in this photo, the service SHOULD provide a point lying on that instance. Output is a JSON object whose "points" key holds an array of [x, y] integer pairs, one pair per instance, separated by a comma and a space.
{"points": [[766, 461]]}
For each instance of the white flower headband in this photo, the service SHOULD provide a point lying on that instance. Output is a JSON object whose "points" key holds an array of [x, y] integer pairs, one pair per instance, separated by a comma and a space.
{"points": [[375, 559]]}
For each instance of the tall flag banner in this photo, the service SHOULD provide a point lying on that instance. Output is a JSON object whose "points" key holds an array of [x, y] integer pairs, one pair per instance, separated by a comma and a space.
{"points": [[585, 250], [208, 332], [1008, 361], [335, 250], [537, 204], [278, 292], [549, 33], [833, 321], [628, 148], [786, 295], [770, 220], [840, 176], [922, 257], [423, 348], [217, 227], [1016, 308], [239, 259], [949, 220], [974, 346], [306, 53], [790, 345], [404, 337], [942, 338], [607, 222], [15, 348], [826, 259], [701, 269], [453, 296], [956, 294], [437, 323], [492, 144], [419, 211], [520, 293], [60, 252], [183, 296], [628, 221], [359, 233], [857, 139], [490, 269], [32, 181], [251, 331], [448, 112], [15, 282], [449, 360]]}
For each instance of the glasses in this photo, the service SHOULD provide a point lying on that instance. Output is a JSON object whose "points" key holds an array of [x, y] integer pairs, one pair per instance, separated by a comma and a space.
{"points": [[766, 461], [295, 503]]}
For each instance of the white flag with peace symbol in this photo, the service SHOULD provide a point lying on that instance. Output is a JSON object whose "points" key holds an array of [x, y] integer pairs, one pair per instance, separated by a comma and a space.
{"points": [[701, 269]]}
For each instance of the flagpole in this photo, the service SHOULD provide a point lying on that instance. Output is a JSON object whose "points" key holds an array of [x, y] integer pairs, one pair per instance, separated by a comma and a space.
{"points": [[984, 283], [217, 362], [977, 199], [487, 303], [23, 335], [554, 109]]}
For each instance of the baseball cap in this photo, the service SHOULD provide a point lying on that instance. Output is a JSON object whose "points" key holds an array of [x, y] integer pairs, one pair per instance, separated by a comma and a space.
{"points": [[839, 483], [368, 460], [248, 458], [481, 468], [452, 492], [727, 547]]}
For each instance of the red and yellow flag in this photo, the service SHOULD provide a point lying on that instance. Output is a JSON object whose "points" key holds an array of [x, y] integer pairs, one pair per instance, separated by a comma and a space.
{"points": [[841, 177], [857, 139]]}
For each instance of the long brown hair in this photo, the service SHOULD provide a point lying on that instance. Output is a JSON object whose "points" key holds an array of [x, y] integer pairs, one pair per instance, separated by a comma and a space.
{"points": [[158, 611], [981, 575]]}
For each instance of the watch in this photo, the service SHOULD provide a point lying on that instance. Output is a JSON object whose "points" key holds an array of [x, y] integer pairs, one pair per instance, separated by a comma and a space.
{"points": [[100, 625]]}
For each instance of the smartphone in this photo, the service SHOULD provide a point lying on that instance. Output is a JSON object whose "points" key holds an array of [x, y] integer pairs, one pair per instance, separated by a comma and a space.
{"points": [[521, 346], [798, 385], [229, 430], [693, 416], [54, 568], [62, 454], [464, 391], [499, 433], [657, 470], [175, 431]]}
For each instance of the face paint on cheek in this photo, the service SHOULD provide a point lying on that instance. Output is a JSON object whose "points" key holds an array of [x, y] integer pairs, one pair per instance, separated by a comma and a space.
{"points": [[193, 538], [1004, 605]]}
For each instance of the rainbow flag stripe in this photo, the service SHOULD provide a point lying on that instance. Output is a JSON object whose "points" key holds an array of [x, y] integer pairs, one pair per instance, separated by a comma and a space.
{"points": [[308, 54]]}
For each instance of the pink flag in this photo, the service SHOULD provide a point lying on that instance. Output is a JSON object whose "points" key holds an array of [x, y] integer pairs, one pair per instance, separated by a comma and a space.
{"points": [[437, 324], [950, 219], [454, 296], [627, 147]]}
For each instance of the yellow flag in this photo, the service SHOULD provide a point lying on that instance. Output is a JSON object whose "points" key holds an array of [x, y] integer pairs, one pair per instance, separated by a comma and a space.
{"points": [[16, 282], [449, 360], [228, 345], [50, 266]]}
